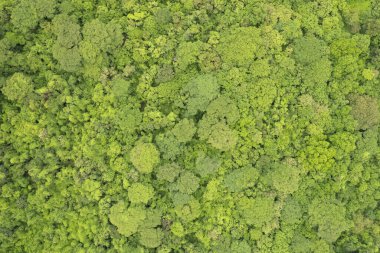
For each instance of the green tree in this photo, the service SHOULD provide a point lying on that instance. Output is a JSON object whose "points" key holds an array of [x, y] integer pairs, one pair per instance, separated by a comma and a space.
{"points": [[187, 54], [239, 46], [241, 179], [311, 54], [291, 214], [240, 247], [177, 229], [189, 126], [285, 177], [365, 110], [144, 156], [65, 50], [329, 217], [120, 87], [199, 92], [93, 188], [257, 211], [139, 193], [103, 36], [18, 87], [188, 183], [223, 109], [168, 172], [219, 135], [67, 31], [213, 127], [165, 73], [206, 165], [68, 59], [209, 60], [309, 49], [26, 15], [184, 130], [169, 146], [152, 220], [127, 220], [223, 138], [151, 238], [186, 207]]}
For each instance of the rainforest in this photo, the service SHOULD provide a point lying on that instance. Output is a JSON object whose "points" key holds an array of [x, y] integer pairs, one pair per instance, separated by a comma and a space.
{"points": [[189, 126]]}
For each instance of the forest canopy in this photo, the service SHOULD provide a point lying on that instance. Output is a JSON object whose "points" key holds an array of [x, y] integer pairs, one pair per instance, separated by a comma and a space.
{"points": [[189, 126]]}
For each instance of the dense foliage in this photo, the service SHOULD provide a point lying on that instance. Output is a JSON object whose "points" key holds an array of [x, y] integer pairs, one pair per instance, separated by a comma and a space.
{"points": [[189, 126]]}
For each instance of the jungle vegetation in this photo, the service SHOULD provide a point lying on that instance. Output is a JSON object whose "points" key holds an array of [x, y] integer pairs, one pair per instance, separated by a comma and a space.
{"points": [[189, 126]]}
